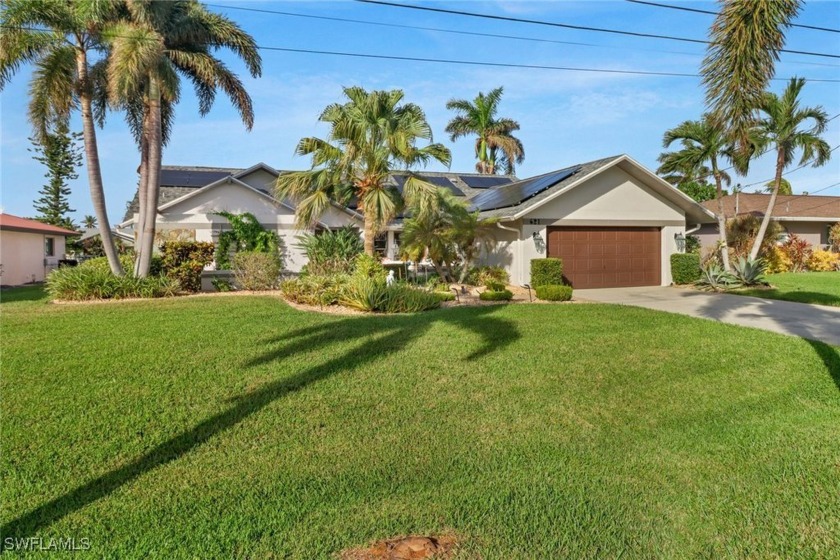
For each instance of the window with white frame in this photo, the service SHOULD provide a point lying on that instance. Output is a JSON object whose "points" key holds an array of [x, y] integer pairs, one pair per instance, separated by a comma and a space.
{"points": [[49, 246]]}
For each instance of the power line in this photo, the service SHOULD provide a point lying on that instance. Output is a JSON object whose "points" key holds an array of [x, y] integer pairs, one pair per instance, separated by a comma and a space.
{"points": [[480, 63], [699, 11], [785, 174], [568, 26], [474, 33]]}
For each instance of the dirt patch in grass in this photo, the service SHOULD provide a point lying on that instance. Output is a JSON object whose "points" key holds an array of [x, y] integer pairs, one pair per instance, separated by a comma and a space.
{"points": [[404, 548]]}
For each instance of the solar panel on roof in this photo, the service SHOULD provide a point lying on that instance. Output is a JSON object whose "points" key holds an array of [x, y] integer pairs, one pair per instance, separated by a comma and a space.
{"points": [[517, 193], [444, 182], [183, 178], [485, 182]]}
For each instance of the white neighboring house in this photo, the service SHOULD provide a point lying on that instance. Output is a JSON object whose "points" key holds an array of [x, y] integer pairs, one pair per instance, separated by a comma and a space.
{"points": [[612, 221], [29, 249]]}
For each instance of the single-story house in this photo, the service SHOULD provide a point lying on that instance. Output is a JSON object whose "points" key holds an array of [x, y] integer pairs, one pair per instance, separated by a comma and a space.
{"points": [[29, 249], [612, 221], [807, 216]]}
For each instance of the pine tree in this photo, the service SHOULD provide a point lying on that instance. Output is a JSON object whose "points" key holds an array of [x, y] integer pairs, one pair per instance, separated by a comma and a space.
{"points": [[60, 153]]}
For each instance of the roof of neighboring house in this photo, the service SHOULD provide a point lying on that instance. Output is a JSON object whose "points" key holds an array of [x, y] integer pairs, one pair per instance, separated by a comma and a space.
{"points": [[16, 223], [94, 232], [788, 207]]}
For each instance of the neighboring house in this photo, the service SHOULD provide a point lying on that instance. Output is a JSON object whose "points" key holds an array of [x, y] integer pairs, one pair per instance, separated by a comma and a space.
{"points": [[807, 216], [612, 221], [29, 249]]}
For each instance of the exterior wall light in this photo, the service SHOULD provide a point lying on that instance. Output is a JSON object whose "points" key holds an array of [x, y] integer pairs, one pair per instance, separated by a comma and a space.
{"points": [[679, 237], [539, 242]]}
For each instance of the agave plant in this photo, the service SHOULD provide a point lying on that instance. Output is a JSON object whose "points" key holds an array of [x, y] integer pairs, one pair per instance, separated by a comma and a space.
{"points": [[749, 272], [716, 279]]}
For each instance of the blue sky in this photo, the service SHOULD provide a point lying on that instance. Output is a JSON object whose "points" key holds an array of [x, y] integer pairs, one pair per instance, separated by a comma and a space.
{"points": [[566, 117]]}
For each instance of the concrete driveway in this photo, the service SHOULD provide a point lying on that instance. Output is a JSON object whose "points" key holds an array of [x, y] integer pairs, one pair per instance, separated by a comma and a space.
{"points": [[815, 322]]}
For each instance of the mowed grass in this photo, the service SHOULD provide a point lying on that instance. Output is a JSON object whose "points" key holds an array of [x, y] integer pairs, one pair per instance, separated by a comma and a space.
{"points": [[237, 427], [822, 288]]}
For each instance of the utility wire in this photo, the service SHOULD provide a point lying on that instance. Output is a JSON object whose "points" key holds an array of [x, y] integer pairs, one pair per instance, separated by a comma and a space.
{"points": [[699, 11], [476, 62], [568, 26], [476, 33]]}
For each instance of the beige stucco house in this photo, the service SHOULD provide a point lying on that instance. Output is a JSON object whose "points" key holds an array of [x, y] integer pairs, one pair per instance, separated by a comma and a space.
{"points": [[807, 216], [612, 221], [29, 249]]}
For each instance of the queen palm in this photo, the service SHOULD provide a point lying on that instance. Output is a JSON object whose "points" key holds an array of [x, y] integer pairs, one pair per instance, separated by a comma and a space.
{"points": [[60, 39], [704, 145], [152, 45], [371, 135], [496, 149], [780, 127], [746, 38]]}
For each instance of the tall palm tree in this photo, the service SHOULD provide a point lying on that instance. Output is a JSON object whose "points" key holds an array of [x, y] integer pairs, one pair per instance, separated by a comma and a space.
{"points": [[495, 147], [784, 187], [89, 222], [371, 135], [746, 38], [704, 145], [152, 46], [779, 126], [60, 39]]}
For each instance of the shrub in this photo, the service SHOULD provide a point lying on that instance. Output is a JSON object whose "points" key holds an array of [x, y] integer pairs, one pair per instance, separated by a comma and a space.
{"points": [[368, 267], [254, 270], [546, 271], [101, 263], [777, 260], [685, 268], [314, 290], [749, 272], [444, 296], [554, 292], [184, 261], [495, 286], [369, 294], [824, 261], [331, 251], [88, 283], [222, 285], [742, 230], [246, 234], [479, 276], [504, 295], [798, 252], [834, 237], [692, 244]]}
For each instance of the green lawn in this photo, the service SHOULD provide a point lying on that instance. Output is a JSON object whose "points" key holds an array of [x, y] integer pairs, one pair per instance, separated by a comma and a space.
{"points": [[237, 427], [822, 288]]}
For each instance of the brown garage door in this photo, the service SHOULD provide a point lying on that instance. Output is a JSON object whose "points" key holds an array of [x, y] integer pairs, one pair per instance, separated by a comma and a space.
{"points": [[607, 257]]}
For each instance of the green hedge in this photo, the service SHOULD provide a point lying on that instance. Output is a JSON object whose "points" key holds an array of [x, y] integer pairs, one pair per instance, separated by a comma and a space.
{"points": [[685, 268], [81, 283], [504, 295], [546, 272], [554, 292]]}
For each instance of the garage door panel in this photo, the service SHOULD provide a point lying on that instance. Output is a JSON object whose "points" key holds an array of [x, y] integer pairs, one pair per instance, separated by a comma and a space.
{"points": [[602, 257]]}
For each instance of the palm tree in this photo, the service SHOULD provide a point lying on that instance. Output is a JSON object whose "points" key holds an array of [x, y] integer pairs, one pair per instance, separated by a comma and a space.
{"points": [[779, 127], [59, 39], [89, 222], [746, 38], [429, 235], [495, 148], [784, 187], [470, 233], [704, 146], [371, 136], [152, 45]]}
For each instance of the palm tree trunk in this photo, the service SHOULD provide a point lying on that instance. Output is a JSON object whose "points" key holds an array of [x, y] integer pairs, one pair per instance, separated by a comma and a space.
{"points": [[155, 147], [97, 190], [142, 190], [765, 222], [370, 234], [724, 243]]}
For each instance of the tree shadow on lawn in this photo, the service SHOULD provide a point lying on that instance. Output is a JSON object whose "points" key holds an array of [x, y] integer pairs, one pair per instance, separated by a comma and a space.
{"points": [[823, 322], [34, 292], [378, 337], [797, 296]]}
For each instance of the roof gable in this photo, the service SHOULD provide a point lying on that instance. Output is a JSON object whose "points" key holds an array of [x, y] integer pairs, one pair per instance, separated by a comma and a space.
{"points": [[10, 222]]}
